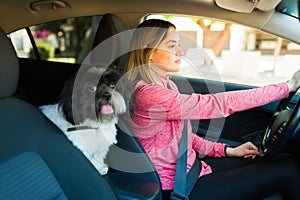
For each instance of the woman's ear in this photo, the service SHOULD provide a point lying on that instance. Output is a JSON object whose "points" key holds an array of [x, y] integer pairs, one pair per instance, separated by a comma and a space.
{"points": [[150, 58]]}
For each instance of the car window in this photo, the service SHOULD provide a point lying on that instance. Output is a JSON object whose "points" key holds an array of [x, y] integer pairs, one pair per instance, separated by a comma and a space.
{"points": [[68, 40], [228, 52], [21, 42]]}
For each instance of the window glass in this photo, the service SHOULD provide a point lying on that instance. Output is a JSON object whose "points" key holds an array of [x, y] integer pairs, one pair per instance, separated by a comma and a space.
{"points": [[290, 8], [21, 43], [69, 40], [228, 52]]}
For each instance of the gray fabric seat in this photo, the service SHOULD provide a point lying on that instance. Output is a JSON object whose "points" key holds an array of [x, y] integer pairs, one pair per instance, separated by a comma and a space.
{"points": [[28, 167], [25, 129]]}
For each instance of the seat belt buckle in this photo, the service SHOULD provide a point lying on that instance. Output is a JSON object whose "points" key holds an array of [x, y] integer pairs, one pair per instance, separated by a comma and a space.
{"points": [[175, 196]]}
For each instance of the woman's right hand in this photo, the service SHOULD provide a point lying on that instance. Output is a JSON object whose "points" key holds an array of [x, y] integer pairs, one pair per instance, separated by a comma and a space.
{"points": [[246, 150], [294, 82]]}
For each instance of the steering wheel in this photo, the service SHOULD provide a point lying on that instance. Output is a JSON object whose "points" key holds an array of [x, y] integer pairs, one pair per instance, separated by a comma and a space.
{"points": [[281, 128]]}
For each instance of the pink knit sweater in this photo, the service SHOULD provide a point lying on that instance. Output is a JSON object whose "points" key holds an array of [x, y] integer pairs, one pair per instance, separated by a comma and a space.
{"points": [[158, 121]]}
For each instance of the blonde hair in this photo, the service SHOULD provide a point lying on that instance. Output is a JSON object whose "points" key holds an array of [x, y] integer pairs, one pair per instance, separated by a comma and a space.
{"points": [[146, 39]]}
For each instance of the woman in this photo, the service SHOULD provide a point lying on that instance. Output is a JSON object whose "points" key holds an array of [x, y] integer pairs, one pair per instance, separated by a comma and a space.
{"points": [[158, 117]]}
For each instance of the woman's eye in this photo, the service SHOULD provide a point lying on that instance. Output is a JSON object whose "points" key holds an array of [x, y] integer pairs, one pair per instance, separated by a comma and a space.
{"points": [[174, 46]]}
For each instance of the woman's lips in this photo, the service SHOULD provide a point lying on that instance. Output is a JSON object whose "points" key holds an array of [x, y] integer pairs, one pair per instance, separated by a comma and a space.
{"points": [[178, 61]]}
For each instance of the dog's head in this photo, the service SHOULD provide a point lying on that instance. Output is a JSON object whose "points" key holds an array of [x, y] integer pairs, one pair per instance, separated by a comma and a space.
{"points": [[91, 96]]}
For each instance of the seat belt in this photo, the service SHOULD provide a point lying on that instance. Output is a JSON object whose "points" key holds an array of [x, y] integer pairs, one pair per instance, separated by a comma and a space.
{"points": [[184, 183]]}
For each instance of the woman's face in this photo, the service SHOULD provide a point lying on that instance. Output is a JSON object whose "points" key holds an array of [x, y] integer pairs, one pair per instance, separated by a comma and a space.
{"points": [[167, 57]]}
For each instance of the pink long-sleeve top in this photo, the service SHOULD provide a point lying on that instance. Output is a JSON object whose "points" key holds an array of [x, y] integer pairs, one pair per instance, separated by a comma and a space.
{"points": [[158, 121]]}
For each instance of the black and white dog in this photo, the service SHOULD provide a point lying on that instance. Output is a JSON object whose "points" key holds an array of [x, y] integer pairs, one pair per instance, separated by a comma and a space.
{"points": [[88, 112]]}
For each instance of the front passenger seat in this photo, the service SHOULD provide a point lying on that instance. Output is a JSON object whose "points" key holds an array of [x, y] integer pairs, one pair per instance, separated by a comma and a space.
{"points": [[37, 161]]}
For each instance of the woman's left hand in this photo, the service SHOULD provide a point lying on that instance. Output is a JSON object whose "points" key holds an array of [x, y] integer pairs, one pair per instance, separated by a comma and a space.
{"points": [[246, 150]]}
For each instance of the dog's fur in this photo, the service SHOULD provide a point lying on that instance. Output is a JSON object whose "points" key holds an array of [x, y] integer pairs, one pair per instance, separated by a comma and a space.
{"points": [[90, 103]]}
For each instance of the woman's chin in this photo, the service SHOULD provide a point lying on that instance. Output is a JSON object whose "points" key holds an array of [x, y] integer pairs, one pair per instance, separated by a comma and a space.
{"points": [[176, 69]]}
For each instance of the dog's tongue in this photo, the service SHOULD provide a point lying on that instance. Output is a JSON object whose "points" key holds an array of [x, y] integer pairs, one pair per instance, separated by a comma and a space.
{"points": [[107, 109]]}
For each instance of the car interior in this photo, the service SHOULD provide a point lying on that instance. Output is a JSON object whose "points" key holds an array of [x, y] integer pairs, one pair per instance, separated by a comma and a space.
{"points": [[38, 162]]}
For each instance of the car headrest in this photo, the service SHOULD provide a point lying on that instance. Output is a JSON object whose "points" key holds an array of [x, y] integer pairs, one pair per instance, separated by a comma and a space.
{"points": [[112, 41], [9, 66]]}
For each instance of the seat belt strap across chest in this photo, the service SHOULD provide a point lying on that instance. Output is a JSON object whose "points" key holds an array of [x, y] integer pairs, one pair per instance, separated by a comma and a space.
{"points": [[183, 182]]}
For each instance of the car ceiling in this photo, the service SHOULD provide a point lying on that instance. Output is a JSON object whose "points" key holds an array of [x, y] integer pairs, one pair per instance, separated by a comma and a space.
{"points": [[17, 14]]}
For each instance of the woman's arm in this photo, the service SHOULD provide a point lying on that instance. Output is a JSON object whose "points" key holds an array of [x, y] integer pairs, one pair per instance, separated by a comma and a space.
{"points": [[156, 102], [208, 148]]}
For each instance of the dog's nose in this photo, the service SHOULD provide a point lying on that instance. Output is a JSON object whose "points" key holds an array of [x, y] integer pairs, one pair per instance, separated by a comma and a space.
{"points": [[107, 96]]}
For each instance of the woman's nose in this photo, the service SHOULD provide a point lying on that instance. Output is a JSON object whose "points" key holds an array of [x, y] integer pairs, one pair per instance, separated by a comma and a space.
{"points": [[179, 52]]}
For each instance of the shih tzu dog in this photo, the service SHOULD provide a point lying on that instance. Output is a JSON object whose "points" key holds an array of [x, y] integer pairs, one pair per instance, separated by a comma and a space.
{"points": [[88, 112]]}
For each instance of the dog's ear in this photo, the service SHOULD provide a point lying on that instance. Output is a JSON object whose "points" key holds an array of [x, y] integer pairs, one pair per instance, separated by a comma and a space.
{"points": [[68, 87], [118, 103], [66, 108], [65, 98]]}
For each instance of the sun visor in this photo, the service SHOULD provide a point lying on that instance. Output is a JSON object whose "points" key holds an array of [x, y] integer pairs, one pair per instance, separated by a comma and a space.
{"points": [[247, 6]]}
